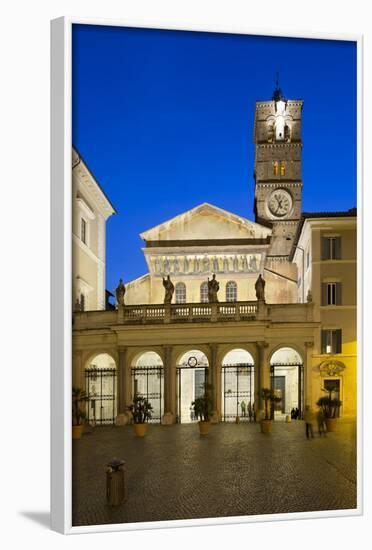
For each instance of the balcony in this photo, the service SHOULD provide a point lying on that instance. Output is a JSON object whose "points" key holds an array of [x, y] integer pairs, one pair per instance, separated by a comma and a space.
{"points": [[147, 314]]}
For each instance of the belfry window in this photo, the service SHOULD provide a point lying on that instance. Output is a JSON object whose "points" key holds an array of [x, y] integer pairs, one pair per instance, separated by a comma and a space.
{"points": [[231, 291], [180, 293], [204, 293], [276, 168], [282, 168]]}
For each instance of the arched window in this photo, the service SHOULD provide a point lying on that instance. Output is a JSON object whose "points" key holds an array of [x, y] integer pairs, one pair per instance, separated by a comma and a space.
{"points": [[276, 168], [180, 293], [204, 292], [282, 168], [231, 291]]}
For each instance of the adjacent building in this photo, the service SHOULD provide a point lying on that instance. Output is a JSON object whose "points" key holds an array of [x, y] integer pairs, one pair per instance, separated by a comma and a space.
{"points": [[325, 253], [90, 210]]}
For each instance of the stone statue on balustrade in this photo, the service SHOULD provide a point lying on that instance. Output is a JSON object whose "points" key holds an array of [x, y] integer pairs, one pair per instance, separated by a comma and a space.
{"points": [[260, 288], [169, 290], [213, 288], [120, 292]]}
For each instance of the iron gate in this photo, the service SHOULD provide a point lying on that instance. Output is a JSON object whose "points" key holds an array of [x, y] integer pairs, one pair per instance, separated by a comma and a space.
{"points": [[149, 382], [100, 386], [197, 390], [238, 391], [300, 384]]}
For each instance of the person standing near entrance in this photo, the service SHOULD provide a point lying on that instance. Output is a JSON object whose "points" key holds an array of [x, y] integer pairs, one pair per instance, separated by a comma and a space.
{"points": [[309, 420], [321, 423]]}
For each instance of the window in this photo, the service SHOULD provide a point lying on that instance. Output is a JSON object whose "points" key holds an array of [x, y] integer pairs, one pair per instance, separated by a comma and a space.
{"points": [[83, 231], [204, 292], [180, 293], [231, 291], [282, 168], [276, 168], [82, 302], [331, 248], [307, 260], [331, 341], [331, 294]]}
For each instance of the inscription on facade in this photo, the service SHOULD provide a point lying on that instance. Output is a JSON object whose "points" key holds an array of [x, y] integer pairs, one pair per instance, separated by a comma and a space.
{"points": [[201, 264]]}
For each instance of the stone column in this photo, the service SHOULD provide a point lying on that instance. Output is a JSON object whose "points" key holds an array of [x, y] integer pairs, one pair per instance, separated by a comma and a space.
{"points": [[124, 389], [169, 388], [78, 376], [212, 379], [308, 379], [122, 403], [263, 371]]}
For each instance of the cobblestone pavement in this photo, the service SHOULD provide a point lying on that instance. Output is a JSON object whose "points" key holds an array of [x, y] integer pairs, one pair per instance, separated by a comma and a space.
{"points": [[173, 473]]}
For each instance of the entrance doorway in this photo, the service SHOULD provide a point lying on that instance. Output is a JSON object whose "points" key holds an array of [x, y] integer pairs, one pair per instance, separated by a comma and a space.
{"points": [[101, 388], [192, 375], [287, 381], [237, 386], [148, 381]]}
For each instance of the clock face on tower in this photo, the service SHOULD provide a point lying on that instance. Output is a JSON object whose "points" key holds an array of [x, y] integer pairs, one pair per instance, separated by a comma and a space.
{"points": [[280, 203]]}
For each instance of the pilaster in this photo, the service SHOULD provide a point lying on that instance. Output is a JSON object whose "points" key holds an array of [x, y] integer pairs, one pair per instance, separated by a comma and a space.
{"points": [[308, 379], [263, 372]]}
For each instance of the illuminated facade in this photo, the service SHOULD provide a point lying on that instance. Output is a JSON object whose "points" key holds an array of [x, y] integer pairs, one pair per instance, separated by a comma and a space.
{"points": [[240, 343], [90, 211]]}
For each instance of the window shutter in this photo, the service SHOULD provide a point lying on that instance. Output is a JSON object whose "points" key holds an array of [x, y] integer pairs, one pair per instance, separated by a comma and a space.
{"points": [[324, 340], [324, 294], [338, 294], [325, 248], [338, 248], [338, 341]]}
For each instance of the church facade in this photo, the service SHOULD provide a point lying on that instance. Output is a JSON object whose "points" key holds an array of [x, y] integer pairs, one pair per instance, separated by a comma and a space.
{"points": [[169, 334]]}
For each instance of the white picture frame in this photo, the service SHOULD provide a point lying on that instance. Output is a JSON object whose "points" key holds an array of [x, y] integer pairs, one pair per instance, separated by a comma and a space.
{"points": [[61, 292]]}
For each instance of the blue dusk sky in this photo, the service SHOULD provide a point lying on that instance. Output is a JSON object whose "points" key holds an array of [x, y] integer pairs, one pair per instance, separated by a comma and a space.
{"points": [[164, 120]]}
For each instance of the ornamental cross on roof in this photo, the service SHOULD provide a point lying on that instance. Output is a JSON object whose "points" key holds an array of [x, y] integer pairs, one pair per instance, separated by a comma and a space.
{"points": [[278, 94]]}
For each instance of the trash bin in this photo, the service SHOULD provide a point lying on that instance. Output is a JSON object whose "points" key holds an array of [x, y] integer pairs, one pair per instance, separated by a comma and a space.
{"points": [[115, 482]]}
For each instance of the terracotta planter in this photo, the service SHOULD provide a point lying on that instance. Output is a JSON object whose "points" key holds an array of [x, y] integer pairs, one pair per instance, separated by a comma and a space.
{"points": [[140, 429], [204, 426], [331, 424], [77, 431], [266, 426]]}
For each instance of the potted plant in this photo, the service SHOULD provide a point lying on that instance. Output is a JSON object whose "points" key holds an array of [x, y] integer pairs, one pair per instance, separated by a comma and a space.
{"points": [[202, 407], [141, 412], [78, 415], [330, 407], [269, 397]]}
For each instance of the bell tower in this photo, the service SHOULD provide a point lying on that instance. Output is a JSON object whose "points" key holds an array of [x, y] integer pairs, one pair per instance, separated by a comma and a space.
{"points": [[277, 169]]}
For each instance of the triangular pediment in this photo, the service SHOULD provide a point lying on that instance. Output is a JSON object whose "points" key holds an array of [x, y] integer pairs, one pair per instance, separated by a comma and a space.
{"points": [[206, 222]]}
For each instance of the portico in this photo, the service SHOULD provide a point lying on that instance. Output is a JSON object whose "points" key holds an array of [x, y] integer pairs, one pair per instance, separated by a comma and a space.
{"points": [[152, 352]]}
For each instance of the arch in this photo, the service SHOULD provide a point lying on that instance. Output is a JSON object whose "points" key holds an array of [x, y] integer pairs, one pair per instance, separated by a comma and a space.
{"points": [[192, 375], [237, 386], [147, 375], [204, 293], [287, 380], [231, 291], [90, 356], [180, 293], [237, 356], [101, 388], [201, 357], [286, 354], [147, 358]]}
